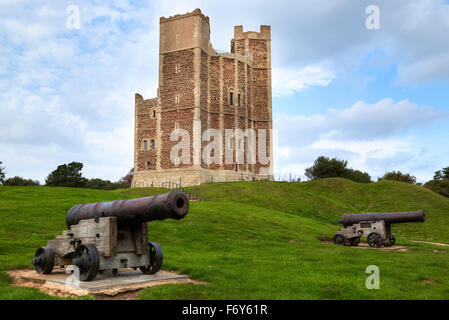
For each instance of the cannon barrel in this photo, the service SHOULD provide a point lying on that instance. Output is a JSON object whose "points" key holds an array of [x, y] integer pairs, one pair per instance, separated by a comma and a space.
{"points": [[390, 217], [174, 205]]}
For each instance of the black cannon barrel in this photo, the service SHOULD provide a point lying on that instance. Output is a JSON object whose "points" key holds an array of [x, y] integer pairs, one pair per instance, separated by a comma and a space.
{"points": [[174, 205], [389, 217]]}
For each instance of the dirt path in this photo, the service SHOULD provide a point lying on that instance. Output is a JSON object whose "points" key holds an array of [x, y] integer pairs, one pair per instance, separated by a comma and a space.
{"points": [[434, 243], [363, 245]]}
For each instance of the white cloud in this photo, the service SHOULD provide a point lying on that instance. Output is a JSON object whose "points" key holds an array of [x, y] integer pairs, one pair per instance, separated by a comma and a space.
{"points": [[372, 137], [289, 81], [362, 121]]}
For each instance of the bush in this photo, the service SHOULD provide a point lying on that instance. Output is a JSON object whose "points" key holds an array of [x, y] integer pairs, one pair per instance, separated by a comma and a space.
{"points": [[358, 176], [323, 167], [439, 186], [399, 176], [19, 181], [105, 184]]}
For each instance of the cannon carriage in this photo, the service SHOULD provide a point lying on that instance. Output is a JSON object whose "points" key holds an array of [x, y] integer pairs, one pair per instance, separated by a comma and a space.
{"points": [[376, 227], [111, 235]]}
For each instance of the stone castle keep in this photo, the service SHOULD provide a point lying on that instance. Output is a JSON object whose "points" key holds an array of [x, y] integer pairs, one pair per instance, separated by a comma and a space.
{"points": [[216, 90]]}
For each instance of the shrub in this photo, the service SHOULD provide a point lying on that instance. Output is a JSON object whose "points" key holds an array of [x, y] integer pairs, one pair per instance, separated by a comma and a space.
{"points": [[399, 176], [439, 186], [19, 181]]}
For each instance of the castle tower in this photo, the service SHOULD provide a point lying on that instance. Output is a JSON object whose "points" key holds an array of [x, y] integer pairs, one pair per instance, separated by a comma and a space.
{"points": [[200, 89]]}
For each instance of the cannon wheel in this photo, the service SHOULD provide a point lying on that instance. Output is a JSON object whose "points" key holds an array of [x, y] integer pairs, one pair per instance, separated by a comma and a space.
{"points": [[355, 241], [391, 240], [156, 259], [87, 259], [44, 260], [374, 240], [339, 239]]}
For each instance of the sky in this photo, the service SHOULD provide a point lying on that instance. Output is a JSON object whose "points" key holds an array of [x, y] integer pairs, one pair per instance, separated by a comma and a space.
{"points": [[377, 98]]}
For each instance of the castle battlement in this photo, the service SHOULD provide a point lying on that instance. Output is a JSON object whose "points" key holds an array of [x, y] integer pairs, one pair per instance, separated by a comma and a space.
{"points": [[196, 12], [264, 33]]}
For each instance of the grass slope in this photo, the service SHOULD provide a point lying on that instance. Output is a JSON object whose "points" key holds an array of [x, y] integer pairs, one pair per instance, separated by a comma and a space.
{"points": [[327, 199], [252, 240]]}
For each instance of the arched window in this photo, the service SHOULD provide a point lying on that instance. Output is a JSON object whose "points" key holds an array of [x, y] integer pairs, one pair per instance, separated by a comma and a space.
{"points": [[153, 144], [231, 98], [149, 165], [145, 145]]}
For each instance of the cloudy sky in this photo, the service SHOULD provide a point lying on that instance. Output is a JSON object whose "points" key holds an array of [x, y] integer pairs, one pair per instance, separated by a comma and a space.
{"points": [[377, 98]]}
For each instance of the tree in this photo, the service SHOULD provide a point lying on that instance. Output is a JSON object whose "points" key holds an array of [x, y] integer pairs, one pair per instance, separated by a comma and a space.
{"points": [[440, 182], [19, 181], [399, 176], [439, 186], [323, 167], [67, 175], [358, 176], [2, 173], [127, 180], [441, 174]]}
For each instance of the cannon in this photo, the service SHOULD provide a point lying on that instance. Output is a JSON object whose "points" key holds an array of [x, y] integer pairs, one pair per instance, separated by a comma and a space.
{"points": [[111, 235], [376, 227]]}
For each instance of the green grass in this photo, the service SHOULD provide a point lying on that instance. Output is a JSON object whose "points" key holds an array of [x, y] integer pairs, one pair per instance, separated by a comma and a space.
{"points": [[254, 240]]}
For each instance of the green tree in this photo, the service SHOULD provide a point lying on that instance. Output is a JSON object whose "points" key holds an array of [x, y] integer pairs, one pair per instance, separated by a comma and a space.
{"points": [[127, 180], [19, 181], [67, 175], [440, 182], [323, 167], [358, 176], [2, 173], [399, 176], [441, 174], [439, 186]]}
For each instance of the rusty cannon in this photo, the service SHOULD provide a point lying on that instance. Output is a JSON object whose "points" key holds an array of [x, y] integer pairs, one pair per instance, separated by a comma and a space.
{"points": [[376, 227], [111, 235]]}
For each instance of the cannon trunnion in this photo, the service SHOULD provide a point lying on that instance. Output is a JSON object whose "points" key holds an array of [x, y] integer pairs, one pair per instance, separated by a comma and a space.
{"points": [[376, 227], [111, 235]]}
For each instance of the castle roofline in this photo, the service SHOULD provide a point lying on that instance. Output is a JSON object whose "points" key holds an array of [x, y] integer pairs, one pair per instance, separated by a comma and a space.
{"points": [[264, 33], [196, 12]]}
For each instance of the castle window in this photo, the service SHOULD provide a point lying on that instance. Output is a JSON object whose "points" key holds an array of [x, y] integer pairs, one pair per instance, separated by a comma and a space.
{"points": [[177, 98], [230, 143], [231, 98], [238, 100], [153, 144], [177, 68], [149, 165], [154, 114], [145, 145]]}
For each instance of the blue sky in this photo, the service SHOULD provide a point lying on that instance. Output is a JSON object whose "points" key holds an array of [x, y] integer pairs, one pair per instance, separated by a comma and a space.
{"points": [[377, 98]]}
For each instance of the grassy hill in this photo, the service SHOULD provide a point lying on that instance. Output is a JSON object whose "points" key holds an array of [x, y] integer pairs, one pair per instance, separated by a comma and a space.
{"points": [[255, 240]]}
